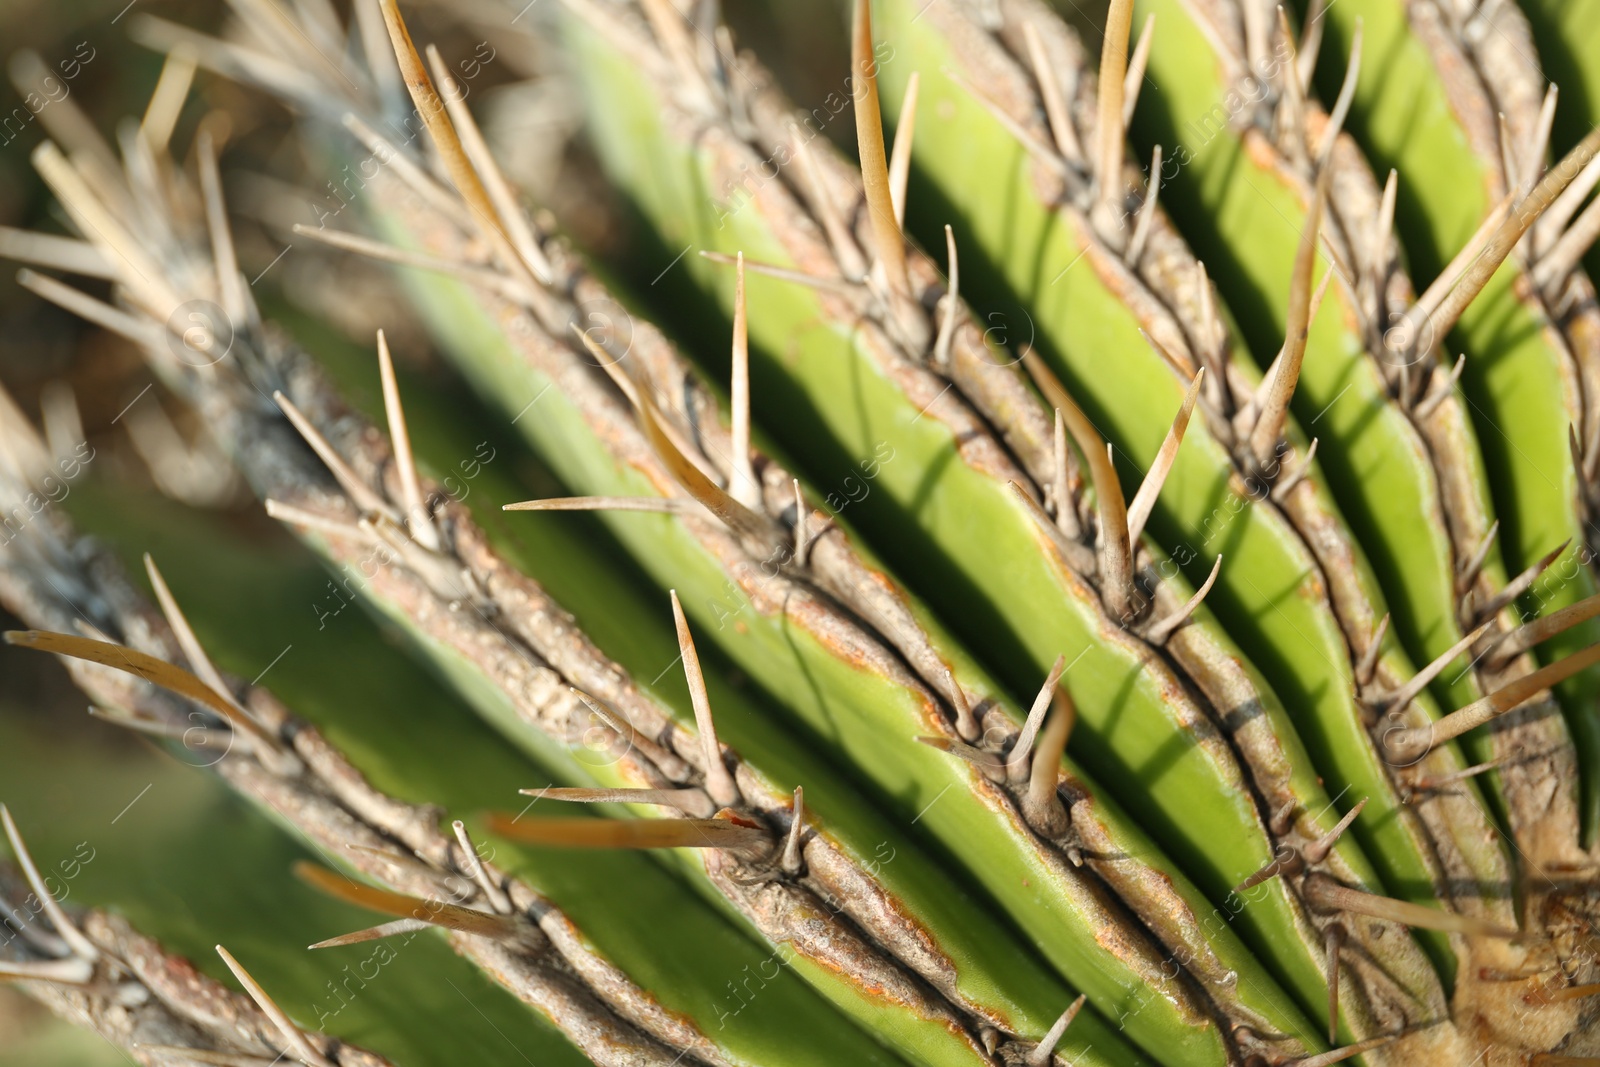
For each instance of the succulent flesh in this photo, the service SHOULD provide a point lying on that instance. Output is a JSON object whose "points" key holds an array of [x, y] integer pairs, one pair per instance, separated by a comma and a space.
{"points": [[1226, 716]]}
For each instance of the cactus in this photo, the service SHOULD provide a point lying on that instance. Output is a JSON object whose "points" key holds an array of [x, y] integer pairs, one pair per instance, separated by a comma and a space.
{"points": [[1521, 337], [1145, 689]]}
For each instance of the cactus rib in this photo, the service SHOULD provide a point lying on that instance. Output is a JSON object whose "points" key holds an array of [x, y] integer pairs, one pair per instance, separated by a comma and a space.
{"points": [[1532, 334], [1347, 609], [755, 110], [988, 754], [1468, 837], [711, 427], [519, 935], [526, 673], [903, 322], [149, 1003], [546, 965], [1406, 372]]}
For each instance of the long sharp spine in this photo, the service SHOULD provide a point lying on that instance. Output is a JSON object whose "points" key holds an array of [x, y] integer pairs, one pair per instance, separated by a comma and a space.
{"points": [[886, 237], [1520, 584], [1339, 1055], [1145, 498], [418, 519], [1147, 212], [1423, 678], [1532, 633], [75, 971], [480, 874], [900, 155], [1322, 891], [1509, 233], [1115, 554], [1138, 61], [1018, 763], [693, 802], [719, 783], [1055, 104], [457, 161], [81, 946], [292, 1034], [201, 663], [1160, 631], [1341, 105], [358, 491], [1405, 745], [634, 833], [435, 912], [1109, 129], [745, 489], [1268, 429], [1319, 849]]}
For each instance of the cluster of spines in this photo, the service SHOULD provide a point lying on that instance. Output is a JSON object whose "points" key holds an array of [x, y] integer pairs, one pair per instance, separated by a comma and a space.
{"points": [[738, 507]]}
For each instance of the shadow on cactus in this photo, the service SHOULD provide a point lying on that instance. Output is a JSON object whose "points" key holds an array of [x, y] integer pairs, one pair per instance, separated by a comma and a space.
{"points": [[1147, 687]]}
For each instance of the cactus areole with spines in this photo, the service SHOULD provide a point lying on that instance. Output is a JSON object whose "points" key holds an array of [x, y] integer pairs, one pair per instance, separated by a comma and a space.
{"points": [[1200, 670]]}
